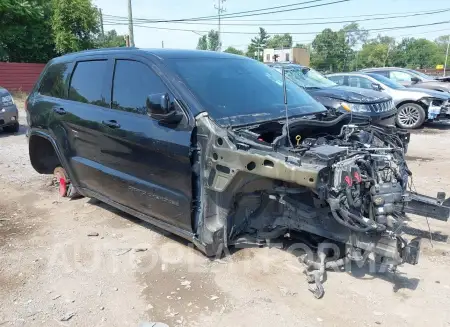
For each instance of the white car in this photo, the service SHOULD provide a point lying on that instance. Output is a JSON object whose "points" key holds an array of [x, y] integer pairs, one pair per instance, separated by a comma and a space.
{"points": [[414, 105]]}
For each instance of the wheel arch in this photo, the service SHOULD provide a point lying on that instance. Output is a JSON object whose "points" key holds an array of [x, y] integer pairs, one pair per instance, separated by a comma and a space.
{"points": [[415, 102], [45, 155]]}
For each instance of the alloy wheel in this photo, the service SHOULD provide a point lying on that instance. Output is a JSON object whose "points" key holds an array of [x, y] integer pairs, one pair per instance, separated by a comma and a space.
{"points": [[408, 116]]}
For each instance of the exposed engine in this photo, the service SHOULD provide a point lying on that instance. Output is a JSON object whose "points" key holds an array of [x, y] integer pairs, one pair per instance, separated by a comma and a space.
{"points": [[327, 177]]}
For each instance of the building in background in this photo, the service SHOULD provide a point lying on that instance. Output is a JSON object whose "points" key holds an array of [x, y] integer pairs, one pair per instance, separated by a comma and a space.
{"points": [[294, 55]]}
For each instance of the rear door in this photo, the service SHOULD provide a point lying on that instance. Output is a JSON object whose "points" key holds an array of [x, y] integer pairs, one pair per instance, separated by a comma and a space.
{"points": [[148, 163], [80, 117]]}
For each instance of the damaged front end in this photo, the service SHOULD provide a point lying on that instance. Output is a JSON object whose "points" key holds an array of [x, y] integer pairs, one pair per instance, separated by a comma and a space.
{"points": [[324, 176]]}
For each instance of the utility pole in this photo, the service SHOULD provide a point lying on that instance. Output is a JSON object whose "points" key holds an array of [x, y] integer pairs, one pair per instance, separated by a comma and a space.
{"points": [[101, 22], [220, 10], [446, 55], [130, 24]]}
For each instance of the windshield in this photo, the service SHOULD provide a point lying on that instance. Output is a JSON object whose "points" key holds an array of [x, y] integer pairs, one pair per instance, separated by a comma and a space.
{"points": [[242, 91], [424, 76], [307, 77], [386, 81]]}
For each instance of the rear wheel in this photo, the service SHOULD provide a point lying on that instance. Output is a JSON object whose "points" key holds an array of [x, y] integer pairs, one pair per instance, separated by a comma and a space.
{"points": [[65, 187], [12, 128], [410, 116]]}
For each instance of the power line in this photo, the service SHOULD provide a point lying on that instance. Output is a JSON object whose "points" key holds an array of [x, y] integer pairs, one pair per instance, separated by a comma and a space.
{"points": [[293, 33], [247, 13], [321, 23]]}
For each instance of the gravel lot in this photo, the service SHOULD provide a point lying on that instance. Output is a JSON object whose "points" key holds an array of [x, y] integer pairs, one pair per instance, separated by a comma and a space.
{"points": [[52, 273]]}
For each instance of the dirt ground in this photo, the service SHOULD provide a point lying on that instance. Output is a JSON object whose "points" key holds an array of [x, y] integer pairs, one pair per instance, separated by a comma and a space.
{"points": [[52, 273]]}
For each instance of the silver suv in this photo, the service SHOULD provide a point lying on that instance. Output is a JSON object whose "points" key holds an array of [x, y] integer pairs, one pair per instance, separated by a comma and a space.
{"points": [[415, 106]]}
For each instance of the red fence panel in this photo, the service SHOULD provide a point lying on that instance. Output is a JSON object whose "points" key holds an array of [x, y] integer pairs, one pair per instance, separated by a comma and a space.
{"points": [[19, 76]]}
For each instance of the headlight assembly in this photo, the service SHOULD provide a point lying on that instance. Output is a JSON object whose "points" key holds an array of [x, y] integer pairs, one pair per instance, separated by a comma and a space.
{"points": [[355, 107], [7, 100]]}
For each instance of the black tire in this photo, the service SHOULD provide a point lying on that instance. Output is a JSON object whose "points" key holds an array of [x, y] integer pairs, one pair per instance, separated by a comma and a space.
{"points": [[12, 128], [410, 116]]}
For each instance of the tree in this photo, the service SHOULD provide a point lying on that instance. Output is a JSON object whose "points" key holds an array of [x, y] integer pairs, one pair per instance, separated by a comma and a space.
{"points": [[280, 41], [213, 40], [234, 51], [26, 34], [202, 43], [75, 24], [257, 44], [110, 40], [330, 50], [209, 42], [378, 52]]}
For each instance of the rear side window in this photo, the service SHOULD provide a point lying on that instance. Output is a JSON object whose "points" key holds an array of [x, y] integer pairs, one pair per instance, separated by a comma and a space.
{"points": [[337, 79], [133, 83], [86, 84], [54, 82]]}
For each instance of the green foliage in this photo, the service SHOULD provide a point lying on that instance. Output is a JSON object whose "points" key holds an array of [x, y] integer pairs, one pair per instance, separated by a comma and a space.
{"points": [[280, 41], [38, 30], [202, 43], [209, 42], [234, 51], [330, 51], [74, 23], [257, 44], [25, 31], [110, 40]]}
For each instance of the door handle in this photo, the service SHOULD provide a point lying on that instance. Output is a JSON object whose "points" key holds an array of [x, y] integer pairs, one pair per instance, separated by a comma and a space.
{"points": [[111, 123], [59, 110]]}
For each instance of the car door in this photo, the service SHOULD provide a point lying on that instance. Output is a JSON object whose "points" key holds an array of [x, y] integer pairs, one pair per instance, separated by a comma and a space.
{"points": [[148, 163], [79, 127]]}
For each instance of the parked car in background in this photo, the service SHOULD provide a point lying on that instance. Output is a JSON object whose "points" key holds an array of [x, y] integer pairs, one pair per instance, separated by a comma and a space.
{"points": [[362, 103], [412, 78], [9, 115], [415, 105]]}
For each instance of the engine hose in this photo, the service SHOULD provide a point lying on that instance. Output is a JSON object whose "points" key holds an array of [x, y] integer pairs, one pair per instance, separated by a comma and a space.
{"points": [[350, 215], [346, 224]]}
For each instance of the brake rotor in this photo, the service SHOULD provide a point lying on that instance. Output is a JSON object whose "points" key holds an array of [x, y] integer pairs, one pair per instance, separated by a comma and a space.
{"points": [[62, 180]]}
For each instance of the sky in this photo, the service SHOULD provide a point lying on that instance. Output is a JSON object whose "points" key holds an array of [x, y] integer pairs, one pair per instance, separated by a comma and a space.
{"points": [[178, 9]]}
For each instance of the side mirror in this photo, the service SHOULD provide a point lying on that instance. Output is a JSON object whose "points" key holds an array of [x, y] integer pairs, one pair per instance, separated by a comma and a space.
{"points": [[161, 109], [415, 79], [377, 87]]}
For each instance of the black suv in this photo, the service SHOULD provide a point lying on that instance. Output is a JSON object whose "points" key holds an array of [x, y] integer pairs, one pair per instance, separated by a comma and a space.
{"points": [[220, 150], [362, 103]]}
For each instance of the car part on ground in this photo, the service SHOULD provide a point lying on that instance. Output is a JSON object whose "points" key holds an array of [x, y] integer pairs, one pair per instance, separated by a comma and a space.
{"points": [[362, 103], [415, 106], [9, 115]]}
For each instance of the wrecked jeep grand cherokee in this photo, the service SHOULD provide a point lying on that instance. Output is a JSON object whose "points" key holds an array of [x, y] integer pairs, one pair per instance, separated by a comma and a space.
{"points": [[222, 150]]}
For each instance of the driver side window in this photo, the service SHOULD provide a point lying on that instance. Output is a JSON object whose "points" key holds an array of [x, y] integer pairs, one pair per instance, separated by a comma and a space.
{"points": [[133, 83], [400, 76]]}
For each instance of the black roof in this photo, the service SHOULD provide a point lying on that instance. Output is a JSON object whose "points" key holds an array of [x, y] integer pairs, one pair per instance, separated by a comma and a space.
{"points": [[159, 53]]}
